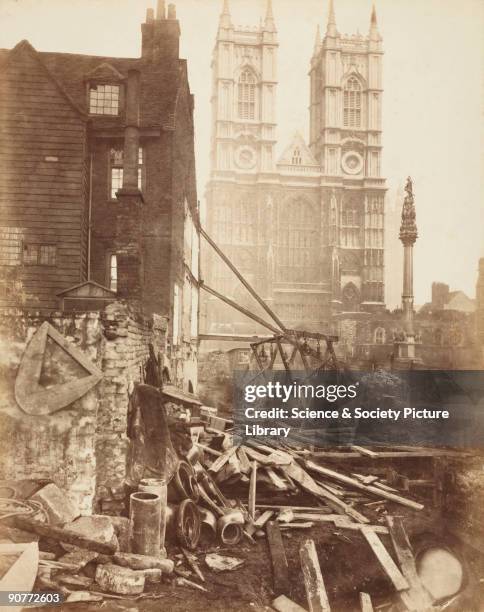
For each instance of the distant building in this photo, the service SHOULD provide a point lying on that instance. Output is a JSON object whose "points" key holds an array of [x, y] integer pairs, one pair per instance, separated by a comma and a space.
{"points": [[444, 299], [306, 230], [97, 181]]}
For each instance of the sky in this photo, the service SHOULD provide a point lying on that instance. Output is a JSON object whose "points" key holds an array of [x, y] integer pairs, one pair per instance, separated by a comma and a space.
{"points": [[432, 106]]}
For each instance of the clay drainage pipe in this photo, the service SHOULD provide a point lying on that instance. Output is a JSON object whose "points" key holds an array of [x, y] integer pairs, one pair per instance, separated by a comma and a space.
{"points": [[229, 527], [145, 518]]}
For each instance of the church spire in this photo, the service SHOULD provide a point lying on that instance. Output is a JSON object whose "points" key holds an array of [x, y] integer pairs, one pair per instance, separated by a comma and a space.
{"points": [[269, 23], [374, 33], [225, 19], [331, 27], [317, 41]]}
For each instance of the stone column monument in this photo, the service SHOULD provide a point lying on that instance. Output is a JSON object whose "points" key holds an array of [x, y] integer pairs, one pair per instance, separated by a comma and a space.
{"points": [[405, 344]]}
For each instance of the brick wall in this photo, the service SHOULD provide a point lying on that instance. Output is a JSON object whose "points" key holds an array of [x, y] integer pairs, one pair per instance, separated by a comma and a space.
{"points": [[82, 448], [126, 339]]}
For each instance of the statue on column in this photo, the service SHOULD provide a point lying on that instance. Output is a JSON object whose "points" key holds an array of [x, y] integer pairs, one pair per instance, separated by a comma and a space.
{"points": [[408, 227]]}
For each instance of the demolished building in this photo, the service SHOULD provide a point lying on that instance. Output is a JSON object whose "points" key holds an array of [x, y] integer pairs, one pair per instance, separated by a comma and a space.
{"points": [[98, 243]]}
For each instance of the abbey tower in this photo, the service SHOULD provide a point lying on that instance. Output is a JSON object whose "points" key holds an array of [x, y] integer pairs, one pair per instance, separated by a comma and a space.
{"points": [[305, 229]]}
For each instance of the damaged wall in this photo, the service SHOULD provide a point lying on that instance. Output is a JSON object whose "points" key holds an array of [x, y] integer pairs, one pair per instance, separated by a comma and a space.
{"points": [[125, 351], [82, 448], [464, 499]]}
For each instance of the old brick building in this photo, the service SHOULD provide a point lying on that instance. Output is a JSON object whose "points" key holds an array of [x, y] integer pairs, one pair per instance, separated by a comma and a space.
{"points": [[97, 181]]}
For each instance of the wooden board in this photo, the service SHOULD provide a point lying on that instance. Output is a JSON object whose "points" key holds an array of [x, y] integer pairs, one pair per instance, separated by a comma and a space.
{"points": [[284, 604], [307, 483], [416, 598], [244, 460], [365, 603], [364, 451], [253, 489], [276, 480], [280, 568], [313, 579], [339, 520], [22, 573], [221, 460], [352, 482], [388, 564]]}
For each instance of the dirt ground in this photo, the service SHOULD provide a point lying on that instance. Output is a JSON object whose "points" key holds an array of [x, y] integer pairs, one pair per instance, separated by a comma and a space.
{"points": [[348, 566]]}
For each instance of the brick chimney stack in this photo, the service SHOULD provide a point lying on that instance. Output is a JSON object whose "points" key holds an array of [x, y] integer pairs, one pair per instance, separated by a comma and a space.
{"points": [[161, 35], [129, 219]]}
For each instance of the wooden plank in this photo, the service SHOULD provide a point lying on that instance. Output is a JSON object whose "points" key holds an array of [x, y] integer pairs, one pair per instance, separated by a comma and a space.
{"points": [[210, 451], [387, 563], [416, 598], [387, 454], [322, 509], [362, 487], [255, 455], [243, 280], [364, 451], [280, 568], [313, 579], [295, 472], [284, 604], [365, 603], [244, 460], [251, 528], [22, 573], [218, 464], [276, 480], [263, 518], [253, 489], [339, 520]]}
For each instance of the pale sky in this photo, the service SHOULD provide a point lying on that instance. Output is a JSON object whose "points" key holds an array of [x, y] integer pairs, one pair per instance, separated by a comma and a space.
{"points": [[432, 107]]}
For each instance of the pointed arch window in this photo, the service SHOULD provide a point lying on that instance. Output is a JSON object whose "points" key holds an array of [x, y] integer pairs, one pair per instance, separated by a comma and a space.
{"points": [[296, 157], [246, 95], [296, 242], [352, 103], [380, 335]]}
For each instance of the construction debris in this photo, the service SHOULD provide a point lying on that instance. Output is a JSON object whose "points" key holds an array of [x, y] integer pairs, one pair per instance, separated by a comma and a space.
{"points": [[365, 603], [57, 506], [313, 579], [237, 492], [222, 563], [280, 568], [120, 580], [284, 604]]}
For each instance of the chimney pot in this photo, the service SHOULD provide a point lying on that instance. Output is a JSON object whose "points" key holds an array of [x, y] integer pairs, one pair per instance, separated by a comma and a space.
{"points": [[171, 11], [160, 10], [150, 15]]}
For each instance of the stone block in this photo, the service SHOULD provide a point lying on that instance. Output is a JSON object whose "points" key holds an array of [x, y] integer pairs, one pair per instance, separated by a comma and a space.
{"points": [[120, 580], [152, 575], [79, 557], [144, 562], [121, 528], [57, 506], [97, 527]]}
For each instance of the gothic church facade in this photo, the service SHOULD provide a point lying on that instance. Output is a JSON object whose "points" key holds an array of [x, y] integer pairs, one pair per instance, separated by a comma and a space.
{"points": [[305, 229]]}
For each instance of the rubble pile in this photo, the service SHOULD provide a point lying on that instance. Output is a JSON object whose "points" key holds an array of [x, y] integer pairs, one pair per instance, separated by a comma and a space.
{"points": [[223, 494]]}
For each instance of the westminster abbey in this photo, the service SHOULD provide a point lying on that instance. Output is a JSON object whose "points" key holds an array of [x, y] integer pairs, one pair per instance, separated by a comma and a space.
{"points": [[306, 229]]}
